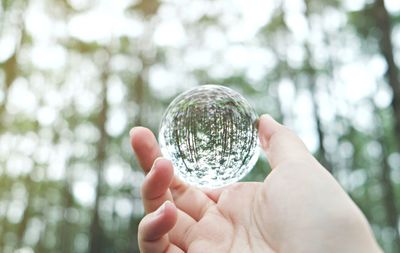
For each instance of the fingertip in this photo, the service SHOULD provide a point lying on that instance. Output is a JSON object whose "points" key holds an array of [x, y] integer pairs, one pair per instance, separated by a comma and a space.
{"points": [[170, 211], [139, 136], [163, 162], [166, 215], [279, 143], [131, 132], [266, 128], [166, 207], [145, 146], [155, 186], [160, 222], [163, 169]]}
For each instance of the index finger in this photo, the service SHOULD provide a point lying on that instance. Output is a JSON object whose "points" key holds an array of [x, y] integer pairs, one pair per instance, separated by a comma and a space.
{"points": [[190, 200], [145, 146]]}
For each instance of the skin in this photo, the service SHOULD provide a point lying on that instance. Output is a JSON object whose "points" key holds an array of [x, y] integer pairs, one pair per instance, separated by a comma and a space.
{"points": [[299, 208]]}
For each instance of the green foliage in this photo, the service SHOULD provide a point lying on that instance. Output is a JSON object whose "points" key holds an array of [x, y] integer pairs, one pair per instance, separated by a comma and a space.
{"points": [[364, 25], [64, 148]]}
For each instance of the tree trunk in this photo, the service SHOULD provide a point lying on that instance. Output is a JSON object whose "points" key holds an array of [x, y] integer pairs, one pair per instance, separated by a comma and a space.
{"points": [[64, 244], [11, 69], [389, 195], [312, 77], [139, 94], [22, 225], [389, 200], [96, 231], [382, 19], [321, 134]]}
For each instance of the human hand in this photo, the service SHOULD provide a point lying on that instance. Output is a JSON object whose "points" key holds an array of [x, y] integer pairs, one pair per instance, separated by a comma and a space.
{"points": [[298, 208]]}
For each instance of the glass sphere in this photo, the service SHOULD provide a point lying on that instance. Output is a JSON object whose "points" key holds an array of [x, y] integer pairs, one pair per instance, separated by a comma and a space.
{"points": [[210, 135]]}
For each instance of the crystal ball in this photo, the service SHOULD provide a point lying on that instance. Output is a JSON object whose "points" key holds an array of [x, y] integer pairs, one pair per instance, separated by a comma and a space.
{"points": [[210, 135]]}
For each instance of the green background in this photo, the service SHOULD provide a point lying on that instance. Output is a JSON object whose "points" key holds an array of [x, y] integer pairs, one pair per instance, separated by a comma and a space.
{"points": [[76, 75]]}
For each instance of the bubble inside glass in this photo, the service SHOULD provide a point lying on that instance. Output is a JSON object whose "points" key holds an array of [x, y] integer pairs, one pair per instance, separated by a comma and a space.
{"points": [[210, 135]]}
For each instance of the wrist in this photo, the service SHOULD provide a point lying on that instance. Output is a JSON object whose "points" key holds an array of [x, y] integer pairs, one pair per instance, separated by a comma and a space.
{"points": [[352, 233]]}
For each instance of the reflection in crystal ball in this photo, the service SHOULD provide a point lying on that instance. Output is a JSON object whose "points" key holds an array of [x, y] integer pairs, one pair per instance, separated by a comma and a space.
{"points": [[210, 135]]}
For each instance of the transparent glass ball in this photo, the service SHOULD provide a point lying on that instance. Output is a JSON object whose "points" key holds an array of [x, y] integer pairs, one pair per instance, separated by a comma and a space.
{"points": [[210, 135]]}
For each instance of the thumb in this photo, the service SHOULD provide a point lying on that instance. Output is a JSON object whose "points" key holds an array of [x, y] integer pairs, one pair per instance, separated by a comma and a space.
{"points": [[280, 144]]}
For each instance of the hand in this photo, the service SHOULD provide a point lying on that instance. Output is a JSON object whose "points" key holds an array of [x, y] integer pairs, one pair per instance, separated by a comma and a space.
{"points": [[298, 208]]}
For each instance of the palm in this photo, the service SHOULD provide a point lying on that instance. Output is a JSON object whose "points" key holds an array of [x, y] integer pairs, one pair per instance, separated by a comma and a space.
{"points": [[218, 220], [228, 224]]}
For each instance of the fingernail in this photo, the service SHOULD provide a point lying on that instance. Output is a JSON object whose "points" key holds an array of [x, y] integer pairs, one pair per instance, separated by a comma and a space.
{"points": [[154, 165], [266, 115], [158, 159], [263, 142], [260, 134], [131, 132], [161, 209]]}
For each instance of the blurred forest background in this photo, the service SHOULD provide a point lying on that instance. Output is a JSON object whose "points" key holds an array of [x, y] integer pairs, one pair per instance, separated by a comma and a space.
{"points": [[76, 75]]}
